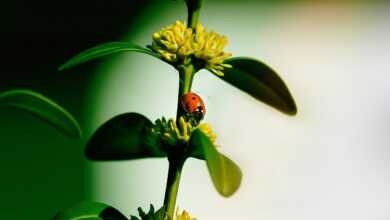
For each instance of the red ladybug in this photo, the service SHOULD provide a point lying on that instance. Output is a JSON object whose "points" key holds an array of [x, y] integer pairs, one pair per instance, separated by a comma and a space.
{"points": [[193, 108]]}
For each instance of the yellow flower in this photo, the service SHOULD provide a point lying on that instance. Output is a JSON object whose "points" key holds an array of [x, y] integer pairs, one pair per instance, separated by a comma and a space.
{"points": [[183, 216], [175, 134], [206, 129], [209, 47], [177, 43], [173, 42], [172, 133]]}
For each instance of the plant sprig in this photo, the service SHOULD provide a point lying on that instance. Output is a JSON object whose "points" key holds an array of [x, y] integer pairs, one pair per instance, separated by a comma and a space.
{"points": [[188, 48]]}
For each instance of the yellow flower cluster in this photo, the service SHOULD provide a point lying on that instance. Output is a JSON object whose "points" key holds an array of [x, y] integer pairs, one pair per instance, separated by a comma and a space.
{"points": [[206, 129], [173, 42], [173, 133], [183, 216], [208, 46], [177, 42]]}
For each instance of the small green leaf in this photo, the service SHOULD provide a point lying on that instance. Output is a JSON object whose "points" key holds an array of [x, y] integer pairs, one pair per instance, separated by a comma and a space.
{"points": [[103, 50], [43, 108], [225, 174], [261, 82], [90, 211], [160, 214], [151, 215], [124, 137]]}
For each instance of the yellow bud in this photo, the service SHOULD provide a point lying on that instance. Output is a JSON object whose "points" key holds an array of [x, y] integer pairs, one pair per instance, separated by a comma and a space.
{"points": [[206, 129], [183, 126], [168, 56], [168, 136], [183, 216], [156, 36], [225, 65]]}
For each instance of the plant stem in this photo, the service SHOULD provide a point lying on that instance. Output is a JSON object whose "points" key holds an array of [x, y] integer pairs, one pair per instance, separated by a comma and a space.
{"points": [[186, 74], [194, 7], [172, 188], [176, 159], [193, 19]]}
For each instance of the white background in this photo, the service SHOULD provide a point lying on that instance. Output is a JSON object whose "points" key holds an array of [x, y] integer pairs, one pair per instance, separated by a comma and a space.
{"points": [[331, 161]]}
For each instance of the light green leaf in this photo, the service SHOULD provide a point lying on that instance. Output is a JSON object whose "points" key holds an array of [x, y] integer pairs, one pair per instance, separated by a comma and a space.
{"points": [[90, 211], [225, 174], [43, 108], [261, 82], [103, 50], [124, 137]]}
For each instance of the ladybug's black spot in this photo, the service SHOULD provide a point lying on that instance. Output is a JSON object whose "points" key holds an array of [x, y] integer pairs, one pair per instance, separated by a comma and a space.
{"points": [[193, 98]]}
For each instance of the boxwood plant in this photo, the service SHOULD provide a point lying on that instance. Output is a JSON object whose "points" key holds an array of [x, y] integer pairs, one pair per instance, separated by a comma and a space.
{"points": [[188, 47]]}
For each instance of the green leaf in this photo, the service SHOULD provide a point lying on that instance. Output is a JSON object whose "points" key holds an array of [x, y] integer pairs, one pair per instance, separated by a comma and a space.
{"points": [[103, 50], [90, 211], [43, 108], [261, 82], [124, 137], [151, 215], [225, 174], [160, 214]]}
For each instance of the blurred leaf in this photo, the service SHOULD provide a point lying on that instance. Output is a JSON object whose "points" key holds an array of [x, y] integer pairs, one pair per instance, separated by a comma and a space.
{"points": [[124, 137], [43, 108], [151, 215], [90, 211], [261, 82], [103, 50], [225, 174]]}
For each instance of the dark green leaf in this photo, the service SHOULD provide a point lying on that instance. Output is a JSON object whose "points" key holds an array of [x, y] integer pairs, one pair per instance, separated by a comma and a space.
{"points": [[90, 211], [103, 50], [160, 214], [225, 174], [124, 137], [151, 215], [261, 82], [43, 108]]}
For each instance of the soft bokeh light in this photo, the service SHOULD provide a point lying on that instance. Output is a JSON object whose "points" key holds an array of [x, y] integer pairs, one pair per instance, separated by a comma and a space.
{"points": [[331, 161]]}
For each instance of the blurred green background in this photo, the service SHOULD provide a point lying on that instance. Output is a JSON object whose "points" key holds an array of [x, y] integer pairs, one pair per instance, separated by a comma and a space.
{"points": [[331, 159], [43, 171]]}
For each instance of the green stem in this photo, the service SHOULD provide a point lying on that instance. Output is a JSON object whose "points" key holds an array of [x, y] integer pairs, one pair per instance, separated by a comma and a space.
{"points": [[193, 19], [176, 159], [194, 7], [172, 188], [186, 74]]}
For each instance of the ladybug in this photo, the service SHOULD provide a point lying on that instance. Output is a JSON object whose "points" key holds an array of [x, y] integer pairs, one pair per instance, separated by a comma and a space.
{"points": [[192, 107]]}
